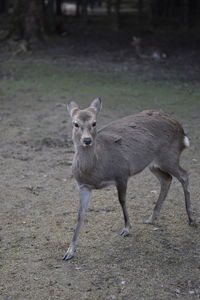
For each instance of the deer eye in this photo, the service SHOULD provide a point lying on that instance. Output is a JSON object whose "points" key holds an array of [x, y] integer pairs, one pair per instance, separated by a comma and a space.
{"points": [[76, 125], [94, 124]]}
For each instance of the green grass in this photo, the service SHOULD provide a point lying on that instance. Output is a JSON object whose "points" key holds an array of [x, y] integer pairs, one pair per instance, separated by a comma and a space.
{"points": [[121, 91]]}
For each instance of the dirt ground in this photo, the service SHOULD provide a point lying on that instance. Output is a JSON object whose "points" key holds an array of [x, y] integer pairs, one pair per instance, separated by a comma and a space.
{"points": [[39, 201]]}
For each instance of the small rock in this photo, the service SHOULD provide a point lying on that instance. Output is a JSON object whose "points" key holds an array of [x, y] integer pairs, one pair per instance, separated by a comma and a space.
{"points": [[191, 292], [194, 160], [154, 192]]}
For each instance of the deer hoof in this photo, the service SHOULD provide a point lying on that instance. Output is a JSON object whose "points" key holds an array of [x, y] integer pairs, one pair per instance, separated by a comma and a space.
{"points": [[192, 222], [70, 252], [148, 221], [68, 256], [125, 232]]}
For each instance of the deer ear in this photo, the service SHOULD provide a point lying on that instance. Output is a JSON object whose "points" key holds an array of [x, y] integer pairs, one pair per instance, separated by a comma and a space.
{"points": [[96, 105], [72, 108]]}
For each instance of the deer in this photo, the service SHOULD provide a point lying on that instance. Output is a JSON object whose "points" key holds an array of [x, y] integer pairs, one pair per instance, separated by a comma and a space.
{"points": [[121, 149], [148, 52]]}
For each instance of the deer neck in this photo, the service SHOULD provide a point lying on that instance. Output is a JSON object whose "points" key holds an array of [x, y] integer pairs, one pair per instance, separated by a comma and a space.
{"points": [[85, 159]]}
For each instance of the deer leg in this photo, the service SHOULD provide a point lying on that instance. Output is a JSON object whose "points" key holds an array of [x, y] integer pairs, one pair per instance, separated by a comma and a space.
{"points": [[121, 189], [85, 195], [165, 181], [182, 176]]}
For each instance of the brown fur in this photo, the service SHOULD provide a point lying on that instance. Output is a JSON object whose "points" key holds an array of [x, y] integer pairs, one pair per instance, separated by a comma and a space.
{"points": [[122, 149]]}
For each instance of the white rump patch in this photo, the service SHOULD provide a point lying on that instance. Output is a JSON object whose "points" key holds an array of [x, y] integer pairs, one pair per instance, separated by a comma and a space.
{"points": [[186, 141]]}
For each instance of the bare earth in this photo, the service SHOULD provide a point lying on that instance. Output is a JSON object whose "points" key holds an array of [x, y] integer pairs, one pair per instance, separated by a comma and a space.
{"points": [[39, 203]]}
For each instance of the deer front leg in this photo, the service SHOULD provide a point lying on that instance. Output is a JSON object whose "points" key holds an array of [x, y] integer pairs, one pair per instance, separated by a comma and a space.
{"points": [[85, 195]]}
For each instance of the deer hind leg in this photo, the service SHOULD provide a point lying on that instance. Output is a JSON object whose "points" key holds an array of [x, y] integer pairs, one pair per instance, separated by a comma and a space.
{"points": [[121, 189], [182, 177], [165, 181]]}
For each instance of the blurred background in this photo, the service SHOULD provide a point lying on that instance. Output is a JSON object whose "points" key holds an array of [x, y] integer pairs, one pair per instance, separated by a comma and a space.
{"points": [[135, 55]]}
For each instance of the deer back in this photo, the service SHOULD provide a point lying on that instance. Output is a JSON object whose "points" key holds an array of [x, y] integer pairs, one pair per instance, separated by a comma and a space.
{"points": [[125, 147]]}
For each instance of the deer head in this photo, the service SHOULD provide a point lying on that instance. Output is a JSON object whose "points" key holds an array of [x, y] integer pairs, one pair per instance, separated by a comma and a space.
{"points": [[84, 123]]}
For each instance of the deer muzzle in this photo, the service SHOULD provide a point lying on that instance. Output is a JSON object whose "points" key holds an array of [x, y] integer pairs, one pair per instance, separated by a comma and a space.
{"points": [[87, 141]]}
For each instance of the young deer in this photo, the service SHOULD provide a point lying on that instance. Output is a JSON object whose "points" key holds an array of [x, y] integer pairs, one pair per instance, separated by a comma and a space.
{"points": [[121, 149]]}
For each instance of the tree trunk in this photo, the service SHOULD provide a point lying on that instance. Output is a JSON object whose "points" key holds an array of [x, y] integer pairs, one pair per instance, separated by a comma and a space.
{"points": [[109, 6], [2, 6], [34, 20], [27, 21], [50, 17], [194, 10], [84, 8], [185, 14], [140, 8], [117, 8], [58, 7], [140, 11]]}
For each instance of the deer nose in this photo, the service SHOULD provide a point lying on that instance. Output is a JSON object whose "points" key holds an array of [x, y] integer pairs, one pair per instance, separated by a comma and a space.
{"points": [[87, 141]]}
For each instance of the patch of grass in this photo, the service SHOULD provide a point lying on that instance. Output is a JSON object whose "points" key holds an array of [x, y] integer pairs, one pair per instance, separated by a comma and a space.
{"points": [[121, 91]]}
